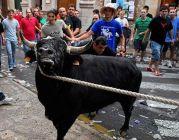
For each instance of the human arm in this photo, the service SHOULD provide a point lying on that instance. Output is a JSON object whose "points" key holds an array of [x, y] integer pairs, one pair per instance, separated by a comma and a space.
{"points": [[38, 26], [126, 23], [146, 34], [69, 34], [18, 33], [121, 45], [84, 36], [133, 31]]}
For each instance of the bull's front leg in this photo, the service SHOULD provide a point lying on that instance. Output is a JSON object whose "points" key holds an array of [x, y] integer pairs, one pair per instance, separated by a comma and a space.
{"points": [[63, 125], [127, 108]]}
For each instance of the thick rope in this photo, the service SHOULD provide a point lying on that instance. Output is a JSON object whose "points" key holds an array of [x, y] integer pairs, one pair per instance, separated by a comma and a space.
{"points": [[111, 89]]}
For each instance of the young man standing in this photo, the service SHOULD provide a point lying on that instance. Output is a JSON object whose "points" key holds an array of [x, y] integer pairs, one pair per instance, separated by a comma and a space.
{"points": [[11, 38], [159, 26], [54, 27], [141, 25], [107, 27], [75, 20]]}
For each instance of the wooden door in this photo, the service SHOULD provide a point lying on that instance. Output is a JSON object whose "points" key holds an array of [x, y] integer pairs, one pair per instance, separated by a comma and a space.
{"points": [[65, 3], [4, 8]]}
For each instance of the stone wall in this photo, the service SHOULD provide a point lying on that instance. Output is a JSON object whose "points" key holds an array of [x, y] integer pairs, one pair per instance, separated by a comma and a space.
{"points": [[86, 8]]}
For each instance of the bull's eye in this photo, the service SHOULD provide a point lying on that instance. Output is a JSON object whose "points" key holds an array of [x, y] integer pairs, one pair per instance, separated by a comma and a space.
{"points": [[50, 52]]}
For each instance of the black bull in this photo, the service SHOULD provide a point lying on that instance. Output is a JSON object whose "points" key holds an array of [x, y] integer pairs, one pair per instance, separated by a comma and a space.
{"points": [[64, 101]]}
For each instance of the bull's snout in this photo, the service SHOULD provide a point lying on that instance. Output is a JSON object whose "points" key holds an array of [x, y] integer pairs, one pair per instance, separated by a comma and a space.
{"points": [[45, 51], [46, 56]]}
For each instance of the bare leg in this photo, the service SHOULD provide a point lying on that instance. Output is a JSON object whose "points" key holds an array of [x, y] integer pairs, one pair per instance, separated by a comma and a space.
{"points": [[142, 55]]}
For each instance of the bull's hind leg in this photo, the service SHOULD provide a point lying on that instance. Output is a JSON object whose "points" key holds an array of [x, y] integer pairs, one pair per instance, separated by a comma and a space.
{"points": [[63, 125], [127, 106]]}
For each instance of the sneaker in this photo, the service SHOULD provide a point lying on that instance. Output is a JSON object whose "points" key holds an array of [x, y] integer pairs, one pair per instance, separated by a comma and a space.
{"points": [[10, 69], [164, 63], [6, 101], [10, 75], [169, 64], [15, 66]]}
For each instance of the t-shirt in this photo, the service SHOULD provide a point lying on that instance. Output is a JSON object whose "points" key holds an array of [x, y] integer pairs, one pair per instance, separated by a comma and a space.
{"points": [[68, 22], [10, 29], [124, 22], [159, 27], [109, 30], [76, 22], [43, 21], [141, 26], [175, 23], [54, 30], [28, 27]]}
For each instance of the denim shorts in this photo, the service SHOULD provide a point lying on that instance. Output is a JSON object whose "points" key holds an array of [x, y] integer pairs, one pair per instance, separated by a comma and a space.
{"points": [[156, 50]]}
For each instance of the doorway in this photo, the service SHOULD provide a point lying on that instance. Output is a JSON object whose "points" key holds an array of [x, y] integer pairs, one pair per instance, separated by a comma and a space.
{"points": [[65, 3]]}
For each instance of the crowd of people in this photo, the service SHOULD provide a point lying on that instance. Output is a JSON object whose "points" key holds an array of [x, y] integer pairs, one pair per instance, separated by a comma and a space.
{"points": [[109, 29]]}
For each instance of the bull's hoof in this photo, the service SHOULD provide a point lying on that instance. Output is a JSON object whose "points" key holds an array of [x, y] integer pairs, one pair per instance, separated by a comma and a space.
{"points": [[91, 115], [123, 134]]}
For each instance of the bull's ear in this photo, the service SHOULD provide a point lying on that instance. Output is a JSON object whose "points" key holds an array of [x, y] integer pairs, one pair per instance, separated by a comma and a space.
{"points": [[80, 49]]}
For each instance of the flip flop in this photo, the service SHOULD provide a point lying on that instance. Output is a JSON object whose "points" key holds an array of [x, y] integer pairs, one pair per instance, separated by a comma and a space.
{"points": [[149, 69], [157, 73]]}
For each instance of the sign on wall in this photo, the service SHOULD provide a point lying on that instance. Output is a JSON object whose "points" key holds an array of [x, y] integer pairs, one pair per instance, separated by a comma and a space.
{"points": [[128, 7]]}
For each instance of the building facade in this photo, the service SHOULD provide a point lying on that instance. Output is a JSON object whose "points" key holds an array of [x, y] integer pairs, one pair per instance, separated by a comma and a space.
{"points": [[86, 6]]}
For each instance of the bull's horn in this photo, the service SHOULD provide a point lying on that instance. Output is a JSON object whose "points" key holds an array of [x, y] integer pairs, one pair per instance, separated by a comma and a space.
{"points": [[31, 44], [79, 50]]}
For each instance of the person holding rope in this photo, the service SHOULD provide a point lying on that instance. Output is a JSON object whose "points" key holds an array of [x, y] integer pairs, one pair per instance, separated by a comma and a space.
{"points": [[107, 27]]}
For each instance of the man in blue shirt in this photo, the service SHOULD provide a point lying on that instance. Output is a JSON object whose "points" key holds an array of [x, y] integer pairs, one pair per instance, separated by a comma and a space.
{"points": [[107, 27]]}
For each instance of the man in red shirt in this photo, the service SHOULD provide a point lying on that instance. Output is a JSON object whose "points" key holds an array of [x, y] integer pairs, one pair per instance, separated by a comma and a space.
{"points": [[29, 25]]}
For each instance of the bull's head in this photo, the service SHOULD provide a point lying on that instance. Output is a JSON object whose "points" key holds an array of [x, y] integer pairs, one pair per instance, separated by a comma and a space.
{"points": [[51, 53]]}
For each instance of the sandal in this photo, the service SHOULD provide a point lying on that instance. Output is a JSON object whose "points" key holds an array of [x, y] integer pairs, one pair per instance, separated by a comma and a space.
{"points": [[157, 73], [150, 69]]}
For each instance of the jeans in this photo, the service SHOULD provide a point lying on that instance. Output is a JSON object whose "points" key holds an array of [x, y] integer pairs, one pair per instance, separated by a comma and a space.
{"points": [[156, 50], [11, 50]]}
